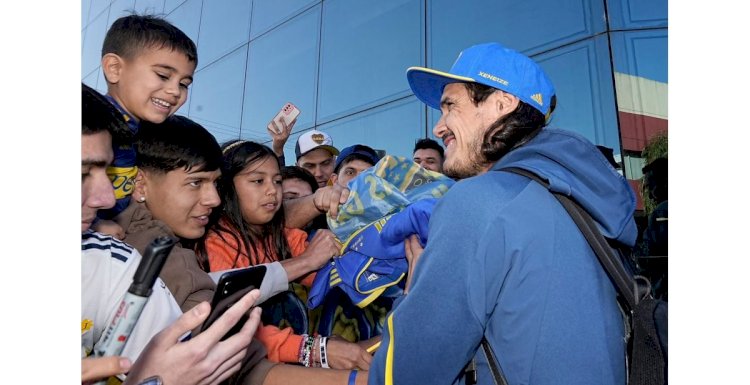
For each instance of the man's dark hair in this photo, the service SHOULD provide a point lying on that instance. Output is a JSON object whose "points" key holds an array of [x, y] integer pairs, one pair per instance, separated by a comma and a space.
{"points": [[296, 172], [426, 144], [98, 114], [178, 142], [130, 35], [518, 127]]}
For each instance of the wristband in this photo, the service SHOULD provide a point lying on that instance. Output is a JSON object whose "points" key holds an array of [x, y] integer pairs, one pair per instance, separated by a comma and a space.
{"points": [[322, 347], [352, 377]]}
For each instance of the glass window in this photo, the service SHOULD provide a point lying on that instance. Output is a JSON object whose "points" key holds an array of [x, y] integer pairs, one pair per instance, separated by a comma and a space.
{"points": [[153, 7], [268, 13], [92, 44], [97, 7], [216, 96], [366, 47], [628, 14], [393, 127], [92, 79], [278, 75], [582, 77], [224, 26], [527, 26], [170, 5], [187, 17], [85, 7], [640, 62], [119, 9]]}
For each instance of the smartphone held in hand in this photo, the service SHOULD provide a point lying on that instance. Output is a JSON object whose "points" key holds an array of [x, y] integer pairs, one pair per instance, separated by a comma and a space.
{"points": [[232, 286], [288, 113]]}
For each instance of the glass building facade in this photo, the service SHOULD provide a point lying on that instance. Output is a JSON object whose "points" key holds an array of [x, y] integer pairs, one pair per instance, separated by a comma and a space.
{"points": [[343, 63]]}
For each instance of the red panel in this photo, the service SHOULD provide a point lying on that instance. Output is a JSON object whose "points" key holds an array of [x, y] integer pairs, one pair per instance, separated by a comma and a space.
{"points": [[636, 186], [636, 130]]}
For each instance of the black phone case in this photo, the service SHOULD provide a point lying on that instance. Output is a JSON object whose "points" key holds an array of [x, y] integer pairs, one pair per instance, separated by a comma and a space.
{"points": [[232, 286]]}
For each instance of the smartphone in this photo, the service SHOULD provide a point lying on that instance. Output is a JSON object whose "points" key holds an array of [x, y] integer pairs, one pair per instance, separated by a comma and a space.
{"points": [[232, 286], [288, 113]]}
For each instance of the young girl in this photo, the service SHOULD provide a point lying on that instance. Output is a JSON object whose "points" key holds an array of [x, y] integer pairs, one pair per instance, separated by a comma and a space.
{"points": [[250, 230]]}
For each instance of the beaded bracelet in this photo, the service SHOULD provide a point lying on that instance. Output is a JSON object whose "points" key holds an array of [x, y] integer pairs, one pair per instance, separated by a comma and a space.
{"points": [[305, 350]]}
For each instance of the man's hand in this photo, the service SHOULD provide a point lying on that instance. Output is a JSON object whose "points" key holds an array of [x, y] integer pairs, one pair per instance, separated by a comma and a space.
{"points": [[328, 199], [98, 368], [203, 359], [413, 250], [343, 354], [280, 136]]}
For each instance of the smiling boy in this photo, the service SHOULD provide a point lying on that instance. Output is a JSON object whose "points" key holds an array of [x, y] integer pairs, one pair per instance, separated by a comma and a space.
{"points": [[148, 64]]}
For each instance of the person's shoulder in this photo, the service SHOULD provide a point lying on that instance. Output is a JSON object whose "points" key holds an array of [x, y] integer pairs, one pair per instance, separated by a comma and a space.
{"points": [[93, 242]]}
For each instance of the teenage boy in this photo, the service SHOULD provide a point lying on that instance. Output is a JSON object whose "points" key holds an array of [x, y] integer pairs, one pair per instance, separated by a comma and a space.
{"points": [[352, 161], [315, 153], [429, 154]]}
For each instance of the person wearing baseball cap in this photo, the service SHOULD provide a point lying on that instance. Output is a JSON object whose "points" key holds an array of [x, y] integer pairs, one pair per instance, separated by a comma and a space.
{"points": [[315, 153], [506, 280], [352, 161]]}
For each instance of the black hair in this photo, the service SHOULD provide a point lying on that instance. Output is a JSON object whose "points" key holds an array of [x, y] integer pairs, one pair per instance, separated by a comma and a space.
{"points": [[98, 114], [178, 142], [130, 35], [297, 172], [518, 127], [237, 155], [428, 143]]}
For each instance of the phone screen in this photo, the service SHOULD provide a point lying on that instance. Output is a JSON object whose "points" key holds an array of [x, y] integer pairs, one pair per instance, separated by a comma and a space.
{"points": [[232, 286]]}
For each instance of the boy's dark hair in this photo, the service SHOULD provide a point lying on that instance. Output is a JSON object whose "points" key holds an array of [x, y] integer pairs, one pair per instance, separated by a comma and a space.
{"points": [[270, 238], [519, 126], [426, 144], [98, 114], [129, 35], [178, 142], [297, 172]]}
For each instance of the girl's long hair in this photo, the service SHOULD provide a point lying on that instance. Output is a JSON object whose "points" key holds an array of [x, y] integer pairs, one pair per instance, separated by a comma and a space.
{"points": [[270, 237]]}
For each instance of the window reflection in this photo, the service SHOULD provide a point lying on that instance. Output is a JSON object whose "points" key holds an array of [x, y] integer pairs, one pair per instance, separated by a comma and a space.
{"points": [[269, 13], [361, 64], [216, 96], [224, 26], [279, 72]]}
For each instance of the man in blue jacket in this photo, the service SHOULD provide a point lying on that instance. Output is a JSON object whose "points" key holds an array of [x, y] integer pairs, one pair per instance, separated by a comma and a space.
{"points": [[504, 261]]}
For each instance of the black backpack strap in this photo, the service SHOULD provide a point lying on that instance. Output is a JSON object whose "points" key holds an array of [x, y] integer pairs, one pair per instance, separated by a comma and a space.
{"points": [[497, 373], [626, 285]]}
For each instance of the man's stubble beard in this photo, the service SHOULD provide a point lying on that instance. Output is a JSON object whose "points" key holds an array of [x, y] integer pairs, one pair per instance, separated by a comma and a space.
{"points": [[476, 163]]}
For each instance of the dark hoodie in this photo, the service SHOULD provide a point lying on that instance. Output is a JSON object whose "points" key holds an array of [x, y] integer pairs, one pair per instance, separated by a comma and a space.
{"points": [[505, 261]]}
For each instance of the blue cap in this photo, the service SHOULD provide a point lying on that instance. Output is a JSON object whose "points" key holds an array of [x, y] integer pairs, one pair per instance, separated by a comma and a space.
{"points": [[358, 149], [490, 64]]}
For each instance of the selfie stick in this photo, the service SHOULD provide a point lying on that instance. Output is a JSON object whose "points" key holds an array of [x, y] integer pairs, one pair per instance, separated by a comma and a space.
{"points": [[135, 299]]}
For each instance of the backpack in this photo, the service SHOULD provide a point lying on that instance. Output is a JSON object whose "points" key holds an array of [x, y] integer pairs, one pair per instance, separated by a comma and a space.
{"points": [[645, 318]]}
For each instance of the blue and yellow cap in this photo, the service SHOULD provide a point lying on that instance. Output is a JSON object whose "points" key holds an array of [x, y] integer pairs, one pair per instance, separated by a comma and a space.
{"points": [[490, 64]]}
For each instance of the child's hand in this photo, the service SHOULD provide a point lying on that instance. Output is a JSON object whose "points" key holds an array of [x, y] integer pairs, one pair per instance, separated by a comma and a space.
{"points": [[321, 248], [108, 227]]}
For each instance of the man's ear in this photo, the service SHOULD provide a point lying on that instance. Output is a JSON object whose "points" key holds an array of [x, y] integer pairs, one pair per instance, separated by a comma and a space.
{"points": [[333, 178], [112, 66], [505, 102]]}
